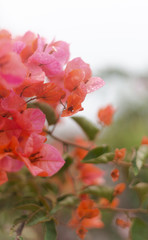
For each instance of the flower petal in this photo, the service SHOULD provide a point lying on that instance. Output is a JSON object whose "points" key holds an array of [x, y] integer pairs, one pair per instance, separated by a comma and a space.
{"points": [[94, 83]]}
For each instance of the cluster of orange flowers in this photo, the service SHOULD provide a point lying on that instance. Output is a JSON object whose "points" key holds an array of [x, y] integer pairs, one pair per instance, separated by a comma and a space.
{"points": [[87, 215]]}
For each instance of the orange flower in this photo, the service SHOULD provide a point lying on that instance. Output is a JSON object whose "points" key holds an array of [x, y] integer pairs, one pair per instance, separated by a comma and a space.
{"points": [[119, 188], [120, 154], [87, 209], [90, 174], [144, 140], [86, 216], [115, 174], [122, 223], [106, 114], [73, 105], [50, 93], [81, 231], [73, 79], [79, 152], [114, 203], [103, 202], [94, 222]]}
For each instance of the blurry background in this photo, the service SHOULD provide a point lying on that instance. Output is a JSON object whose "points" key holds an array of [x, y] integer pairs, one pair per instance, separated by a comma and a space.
{"points": [[111, 35]]}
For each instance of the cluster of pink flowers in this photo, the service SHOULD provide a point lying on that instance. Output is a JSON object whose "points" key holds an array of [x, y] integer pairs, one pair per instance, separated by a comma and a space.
{"points": [[32, 69]]}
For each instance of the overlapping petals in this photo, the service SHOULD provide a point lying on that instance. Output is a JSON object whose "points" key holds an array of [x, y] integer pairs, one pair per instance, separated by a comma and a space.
{"points": [[32, 70], [41, 159], [86, 216]]}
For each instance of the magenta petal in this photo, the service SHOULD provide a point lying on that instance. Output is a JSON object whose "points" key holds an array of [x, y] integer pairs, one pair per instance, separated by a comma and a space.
{"points": [[10, 164], [32, 168], [52, 68], [35, 74], [36, 118], [28, 37], [47, 62], [50, 58], [33, 144], [40, 57], [5, 47], [60, 51], [13, 72], [13, 103], [94, 83], [11, 79], [31, 120], [18, 46], [51, 160], [78, 63]]}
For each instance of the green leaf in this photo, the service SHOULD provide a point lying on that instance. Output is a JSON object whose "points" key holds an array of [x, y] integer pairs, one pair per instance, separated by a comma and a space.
{"points": [[139, 230], [49, 186], [19, 220], [88, 127], [37, 217], [99, 191], [28, 206], [55, 209], [145, 201], [96, 152], [100, 154], [68, 162], [142, 154], [26, 201], [50, 233], [21, 238], [46, 109], [67, 200], [141, 189], [134, 167], [104, 158]]}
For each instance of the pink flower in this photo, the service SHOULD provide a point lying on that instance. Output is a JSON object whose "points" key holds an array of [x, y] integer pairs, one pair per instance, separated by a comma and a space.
{"points": [[60, 50], [41, 159], [31, 120], [76, 72], [13, 103], [78, 81], [25, 45], [50, 58], [10, 164], [8, 156], [78, 63], [12, 71]]}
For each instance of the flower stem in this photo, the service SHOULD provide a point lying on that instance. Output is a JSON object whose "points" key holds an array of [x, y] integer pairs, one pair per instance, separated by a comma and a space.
{"points": [[124, 210], [67, 142], [19, 230], [126, 164]]}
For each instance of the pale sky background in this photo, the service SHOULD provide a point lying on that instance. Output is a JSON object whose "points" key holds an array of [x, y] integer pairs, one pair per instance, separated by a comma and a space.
{"points": [[102, 32]]}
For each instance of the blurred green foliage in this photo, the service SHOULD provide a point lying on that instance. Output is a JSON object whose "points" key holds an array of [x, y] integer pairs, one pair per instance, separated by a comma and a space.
{"points": [[128, 129]]}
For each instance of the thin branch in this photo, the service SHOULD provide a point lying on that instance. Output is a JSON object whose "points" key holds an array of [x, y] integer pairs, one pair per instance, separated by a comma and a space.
{"points": [[126, 164], [19, 230], [125, 210], [67, 142]]}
